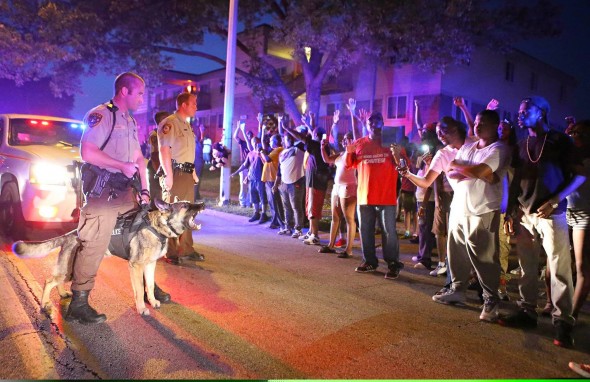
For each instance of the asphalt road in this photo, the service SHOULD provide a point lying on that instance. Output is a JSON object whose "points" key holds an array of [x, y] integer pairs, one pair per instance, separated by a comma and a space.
{"points": [[264, 306]]}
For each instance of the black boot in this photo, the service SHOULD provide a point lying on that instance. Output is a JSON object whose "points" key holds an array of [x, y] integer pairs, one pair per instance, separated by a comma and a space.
{"points": [[80, 311], [159, 294]]}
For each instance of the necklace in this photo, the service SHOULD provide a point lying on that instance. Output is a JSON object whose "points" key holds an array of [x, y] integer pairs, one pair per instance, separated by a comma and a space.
{"points": [[540, 153]]}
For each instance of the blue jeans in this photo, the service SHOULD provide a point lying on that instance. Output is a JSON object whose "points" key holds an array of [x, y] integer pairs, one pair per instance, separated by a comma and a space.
{"points": [[368, 215]]}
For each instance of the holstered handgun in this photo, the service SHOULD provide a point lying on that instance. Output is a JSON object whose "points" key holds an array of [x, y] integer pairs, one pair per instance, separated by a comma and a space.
{"points": [[94, 180]]}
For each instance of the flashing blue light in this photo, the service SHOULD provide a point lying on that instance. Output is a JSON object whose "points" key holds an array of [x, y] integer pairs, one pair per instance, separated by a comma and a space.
{"points": [[74, 125]]}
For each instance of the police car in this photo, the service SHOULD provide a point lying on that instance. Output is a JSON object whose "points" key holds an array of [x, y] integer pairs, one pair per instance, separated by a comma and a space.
{"points": [[39, 173]]}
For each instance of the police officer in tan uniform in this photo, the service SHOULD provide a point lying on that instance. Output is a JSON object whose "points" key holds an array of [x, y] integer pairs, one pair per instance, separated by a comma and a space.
{"points": [[176, 141], [112, 124]]}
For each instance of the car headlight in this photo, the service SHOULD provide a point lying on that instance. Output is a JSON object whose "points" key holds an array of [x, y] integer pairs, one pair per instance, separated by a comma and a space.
{"points": [[43, 173]]}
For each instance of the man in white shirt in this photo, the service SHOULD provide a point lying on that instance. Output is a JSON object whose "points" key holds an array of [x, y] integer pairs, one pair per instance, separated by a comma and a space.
{"points": [[475, 214]]}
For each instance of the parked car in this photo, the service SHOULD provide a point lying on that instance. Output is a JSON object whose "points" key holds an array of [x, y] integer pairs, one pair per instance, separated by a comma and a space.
{"points": [[39, 173]]}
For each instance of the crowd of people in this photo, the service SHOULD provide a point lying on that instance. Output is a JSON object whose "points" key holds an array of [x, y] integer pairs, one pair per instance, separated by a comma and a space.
{"points": [[464, 189]]}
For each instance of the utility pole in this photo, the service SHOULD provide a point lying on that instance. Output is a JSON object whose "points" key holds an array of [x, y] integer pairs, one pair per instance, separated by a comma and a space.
{"points": [[228, 104]]}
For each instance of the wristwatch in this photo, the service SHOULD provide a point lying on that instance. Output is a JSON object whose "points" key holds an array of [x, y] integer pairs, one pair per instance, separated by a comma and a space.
{"points": [[554, 205]]}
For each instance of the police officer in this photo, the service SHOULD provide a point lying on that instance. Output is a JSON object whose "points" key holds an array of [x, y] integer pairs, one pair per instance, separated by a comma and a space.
{"points": [[176, 141], [110, 142]]}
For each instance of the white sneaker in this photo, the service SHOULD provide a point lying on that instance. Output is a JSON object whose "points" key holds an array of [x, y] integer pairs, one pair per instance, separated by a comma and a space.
{"points": [[297, 234], [450, 297], [312, 240], [306, 236], [442, 270], [489, 312], [440, 266], [285, 231]]}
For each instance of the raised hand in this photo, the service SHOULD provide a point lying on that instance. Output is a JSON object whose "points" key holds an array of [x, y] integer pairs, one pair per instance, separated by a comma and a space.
{"points": [[351, 105], [336, 116], [259, 117], [459, 102], [493, 104], [364, 115]]}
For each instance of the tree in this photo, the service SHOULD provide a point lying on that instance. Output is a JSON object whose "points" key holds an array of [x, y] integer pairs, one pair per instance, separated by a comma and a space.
{"points": [[67, 39]]}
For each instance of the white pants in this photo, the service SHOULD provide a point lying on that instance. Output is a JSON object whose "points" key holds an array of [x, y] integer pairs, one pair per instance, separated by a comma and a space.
{"points": [[552, 234]]}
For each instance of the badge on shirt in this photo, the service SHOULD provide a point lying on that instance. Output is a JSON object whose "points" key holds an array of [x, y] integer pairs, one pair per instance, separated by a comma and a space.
{"points": [[166, 128], [94, 119]]}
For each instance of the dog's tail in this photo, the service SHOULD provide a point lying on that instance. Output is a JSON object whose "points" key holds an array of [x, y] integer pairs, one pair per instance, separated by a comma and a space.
{"points": [[33, 249]]}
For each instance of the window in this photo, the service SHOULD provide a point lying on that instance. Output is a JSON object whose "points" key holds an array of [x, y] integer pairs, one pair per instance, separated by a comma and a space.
{"points": [[396, 107], [509, 73], [534, 81], [221, 86], [378, 106], [204, 88]]}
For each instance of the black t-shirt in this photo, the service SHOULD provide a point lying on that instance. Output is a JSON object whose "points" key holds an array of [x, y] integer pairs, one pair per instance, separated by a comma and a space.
{"points": [[317, 172], [535, 182]]}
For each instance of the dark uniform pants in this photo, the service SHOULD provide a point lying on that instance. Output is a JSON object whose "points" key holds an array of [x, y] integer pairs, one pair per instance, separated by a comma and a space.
{"points": [[97, 220], [183, 189]]}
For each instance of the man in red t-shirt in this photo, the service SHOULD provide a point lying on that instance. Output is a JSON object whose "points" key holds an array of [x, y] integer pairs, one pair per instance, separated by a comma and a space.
{"points": [[376, 197]]}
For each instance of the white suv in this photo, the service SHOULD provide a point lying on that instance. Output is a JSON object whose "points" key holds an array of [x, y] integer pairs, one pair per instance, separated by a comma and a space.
{"points": [[39, 173]]}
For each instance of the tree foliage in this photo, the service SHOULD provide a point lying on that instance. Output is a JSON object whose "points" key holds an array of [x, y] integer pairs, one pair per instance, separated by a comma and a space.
{"points": [[65, 39]]}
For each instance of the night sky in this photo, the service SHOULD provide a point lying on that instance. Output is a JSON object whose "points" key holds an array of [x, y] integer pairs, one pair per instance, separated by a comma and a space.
{"points": [[569, 52]]}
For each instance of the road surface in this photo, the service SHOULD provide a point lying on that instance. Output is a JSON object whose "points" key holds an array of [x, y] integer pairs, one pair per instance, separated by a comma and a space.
{"points": [[264, 306]]}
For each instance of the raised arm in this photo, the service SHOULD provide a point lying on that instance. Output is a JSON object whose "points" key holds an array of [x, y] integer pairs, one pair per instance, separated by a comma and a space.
{"points": [[335, 120], [280, 121], [351, 108], [460, 103], [363, 118], [259, 119], [294, 133], [329, 159], [237, 131]]}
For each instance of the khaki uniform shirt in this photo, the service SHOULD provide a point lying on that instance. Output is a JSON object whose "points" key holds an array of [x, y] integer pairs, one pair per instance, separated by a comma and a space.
{"points": [[124, 141], [176, 133]]}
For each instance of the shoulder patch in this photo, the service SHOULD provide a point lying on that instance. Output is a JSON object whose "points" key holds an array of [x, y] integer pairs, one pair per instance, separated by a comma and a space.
{"points": [[94, 119], [166, 128]]}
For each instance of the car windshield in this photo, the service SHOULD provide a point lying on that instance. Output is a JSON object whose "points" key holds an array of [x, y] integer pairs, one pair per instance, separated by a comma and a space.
{"points": [[25, 131]]}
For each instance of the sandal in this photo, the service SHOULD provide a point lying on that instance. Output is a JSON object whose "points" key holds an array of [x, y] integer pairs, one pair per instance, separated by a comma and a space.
{"points": [[326, 249]]}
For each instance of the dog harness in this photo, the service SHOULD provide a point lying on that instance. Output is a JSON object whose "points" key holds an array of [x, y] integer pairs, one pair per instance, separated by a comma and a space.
{"points": [[127, 226]]}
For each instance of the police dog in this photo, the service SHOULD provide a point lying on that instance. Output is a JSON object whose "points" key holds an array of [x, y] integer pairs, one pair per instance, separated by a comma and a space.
{"points": [[146, 246]]}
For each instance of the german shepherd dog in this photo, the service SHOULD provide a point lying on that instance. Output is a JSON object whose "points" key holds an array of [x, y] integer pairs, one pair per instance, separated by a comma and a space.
{"points": [[146, 246]]}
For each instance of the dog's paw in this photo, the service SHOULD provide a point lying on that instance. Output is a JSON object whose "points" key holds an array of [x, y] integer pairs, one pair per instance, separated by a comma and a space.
{"points": [[155, 304], [143, 311], [47, 309]]}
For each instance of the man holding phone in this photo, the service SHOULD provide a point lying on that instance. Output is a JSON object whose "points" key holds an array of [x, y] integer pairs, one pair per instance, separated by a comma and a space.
{"points": [[376, 197]]}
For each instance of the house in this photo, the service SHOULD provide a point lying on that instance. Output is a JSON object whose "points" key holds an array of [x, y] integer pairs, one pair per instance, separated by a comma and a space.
{"points": [[381, 86]]}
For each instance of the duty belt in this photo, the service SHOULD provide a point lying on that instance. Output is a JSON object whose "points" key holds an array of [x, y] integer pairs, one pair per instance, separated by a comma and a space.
{"points": [[185, 167]]}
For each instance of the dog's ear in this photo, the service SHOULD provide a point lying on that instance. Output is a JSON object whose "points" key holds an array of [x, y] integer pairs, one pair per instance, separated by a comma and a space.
{"points": [[161, 205], [176, 200]]}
